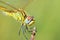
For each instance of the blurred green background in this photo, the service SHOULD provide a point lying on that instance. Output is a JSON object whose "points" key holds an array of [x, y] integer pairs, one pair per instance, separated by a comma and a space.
{"points": [[47, 16]]}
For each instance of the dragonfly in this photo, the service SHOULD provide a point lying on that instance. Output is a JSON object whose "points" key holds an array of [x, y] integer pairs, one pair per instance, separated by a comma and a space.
{"points": [[20, 15]]}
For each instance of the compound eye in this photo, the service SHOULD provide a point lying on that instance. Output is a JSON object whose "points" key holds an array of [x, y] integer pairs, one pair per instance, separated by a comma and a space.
{"points": [[32, 22]]}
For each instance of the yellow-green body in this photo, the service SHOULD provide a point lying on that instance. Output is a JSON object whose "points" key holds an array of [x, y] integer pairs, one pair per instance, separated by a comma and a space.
{"points": [[20, 15]]}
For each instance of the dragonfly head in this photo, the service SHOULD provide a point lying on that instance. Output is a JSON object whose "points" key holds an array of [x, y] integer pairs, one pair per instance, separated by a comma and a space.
{"points": [[29, 20]]}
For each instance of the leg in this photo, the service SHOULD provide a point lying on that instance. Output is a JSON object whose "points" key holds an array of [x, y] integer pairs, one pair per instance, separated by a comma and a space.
{"points": [[19, 31], [24, 31]]}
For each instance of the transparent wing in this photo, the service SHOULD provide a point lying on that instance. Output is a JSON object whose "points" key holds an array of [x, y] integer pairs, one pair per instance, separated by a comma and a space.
{"points": [[16, 3]]}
